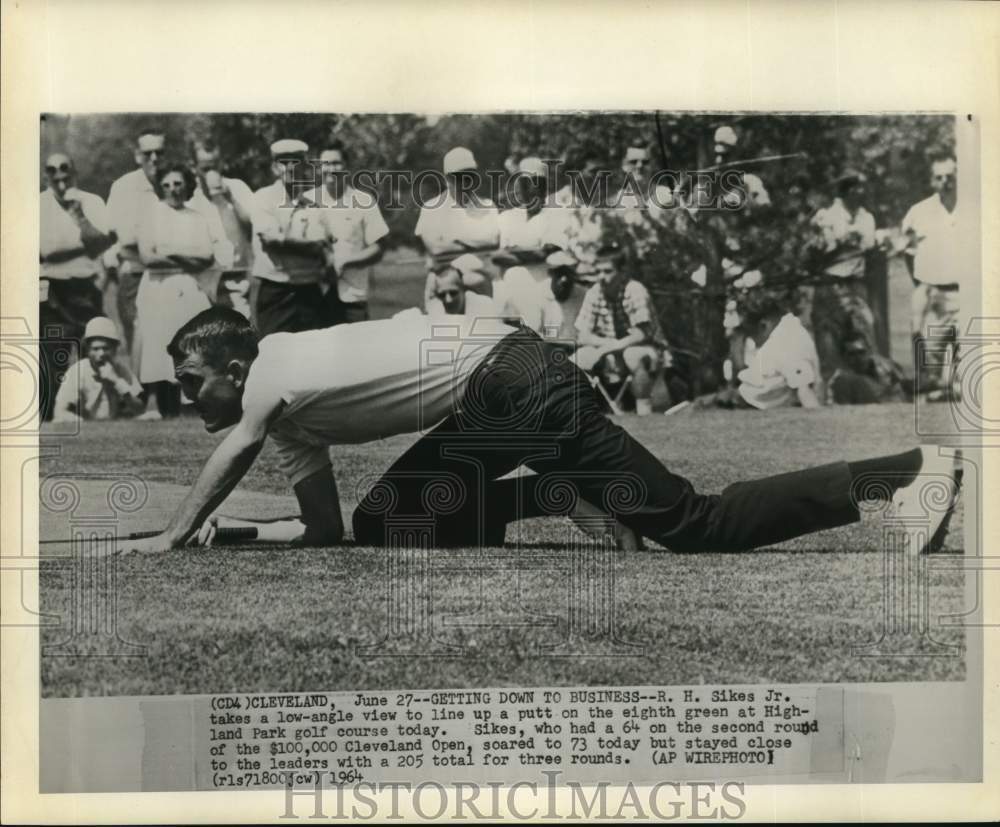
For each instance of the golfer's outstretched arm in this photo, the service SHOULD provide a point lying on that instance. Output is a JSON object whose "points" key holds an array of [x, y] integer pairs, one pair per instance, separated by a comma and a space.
{"points": [[225, 468]]}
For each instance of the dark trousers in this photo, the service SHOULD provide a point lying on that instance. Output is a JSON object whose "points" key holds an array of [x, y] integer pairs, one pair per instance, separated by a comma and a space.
{"points": [[288, 308], [341, 312], [128, 290], [527, 404], [62, 318]]}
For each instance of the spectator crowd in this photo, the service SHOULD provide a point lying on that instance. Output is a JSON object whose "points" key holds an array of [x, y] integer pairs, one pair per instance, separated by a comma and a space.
{"points": [[176, 236]]}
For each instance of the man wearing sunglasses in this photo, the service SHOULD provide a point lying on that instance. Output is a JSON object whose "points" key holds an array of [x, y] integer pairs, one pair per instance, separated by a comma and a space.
{"points": [[129, 202], [74, 233]]}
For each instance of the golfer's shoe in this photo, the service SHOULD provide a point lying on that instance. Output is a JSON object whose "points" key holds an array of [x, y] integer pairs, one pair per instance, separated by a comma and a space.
{"points": [[924, 507], [597, 524]]}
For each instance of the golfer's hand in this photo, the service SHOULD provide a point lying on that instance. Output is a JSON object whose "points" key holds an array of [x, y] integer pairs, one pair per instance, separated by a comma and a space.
{"points": [[206, 534]]}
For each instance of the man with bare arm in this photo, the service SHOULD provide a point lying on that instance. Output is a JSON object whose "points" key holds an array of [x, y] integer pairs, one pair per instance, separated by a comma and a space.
{"points": [[490, 398]]}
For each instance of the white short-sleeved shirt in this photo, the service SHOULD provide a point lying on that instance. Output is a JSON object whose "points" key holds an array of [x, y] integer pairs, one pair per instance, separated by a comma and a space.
{"points": [[786, 362], [365, 381], [352, 223], [86, 395], [518, 229], [128, 205], [59, 231], [273, 212], [836, 224], [937, 252], [443, 221]]}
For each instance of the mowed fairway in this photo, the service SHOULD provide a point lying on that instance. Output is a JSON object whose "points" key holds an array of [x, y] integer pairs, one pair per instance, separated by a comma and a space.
{"points": [[263, 619]]}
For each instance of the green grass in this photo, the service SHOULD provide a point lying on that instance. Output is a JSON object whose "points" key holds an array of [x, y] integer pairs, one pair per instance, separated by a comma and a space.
{"points": [[265, 619]]}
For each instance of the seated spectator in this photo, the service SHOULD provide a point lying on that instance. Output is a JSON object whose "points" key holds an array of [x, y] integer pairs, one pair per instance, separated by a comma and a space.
{"points": [[618, 331], [453, 298], [475, 276], [784, 369], [865, 378], [97, 386], [561, 298]]}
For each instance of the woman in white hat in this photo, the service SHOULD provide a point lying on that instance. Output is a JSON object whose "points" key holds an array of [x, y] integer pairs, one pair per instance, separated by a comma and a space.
{"points": [[176, 243]]}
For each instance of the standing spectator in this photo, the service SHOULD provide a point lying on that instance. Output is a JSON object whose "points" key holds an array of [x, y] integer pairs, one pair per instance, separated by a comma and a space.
{"points": [[230, 202], [129, 200], [532, 222], [356, 231], [645, 207], [290, 249], [581, 202], [846, 231], [931, 229], [97, 386], [74, 233], [617, 329], [176, 243], [529, 231], [458, 221]]}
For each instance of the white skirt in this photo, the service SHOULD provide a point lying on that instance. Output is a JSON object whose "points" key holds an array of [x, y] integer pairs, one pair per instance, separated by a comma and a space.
{"points": [[165, 301]]}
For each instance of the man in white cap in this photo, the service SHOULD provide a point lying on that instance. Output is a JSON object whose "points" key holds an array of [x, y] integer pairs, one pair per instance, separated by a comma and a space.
{"points": [[290, 247], [934, 254], [532, 229], [75, 231], [96, 386], [458, 220], [130, 202], [356, 232], [530, 225]]}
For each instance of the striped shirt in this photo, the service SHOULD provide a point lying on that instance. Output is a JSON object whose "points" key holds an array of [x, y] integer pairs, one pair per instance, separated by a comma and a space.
{"points": [[612, 318]]}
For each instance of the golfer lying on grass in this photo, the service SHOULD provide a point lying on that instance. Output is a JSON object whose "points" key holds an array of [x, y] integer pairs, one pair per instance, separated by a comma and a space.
{"points": [[488, 398]]}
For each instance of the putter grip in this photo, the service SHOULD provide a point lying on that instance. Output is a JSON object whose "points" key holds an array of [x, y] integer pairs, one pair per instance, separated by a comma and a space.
{"points": [[222, 535]]}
